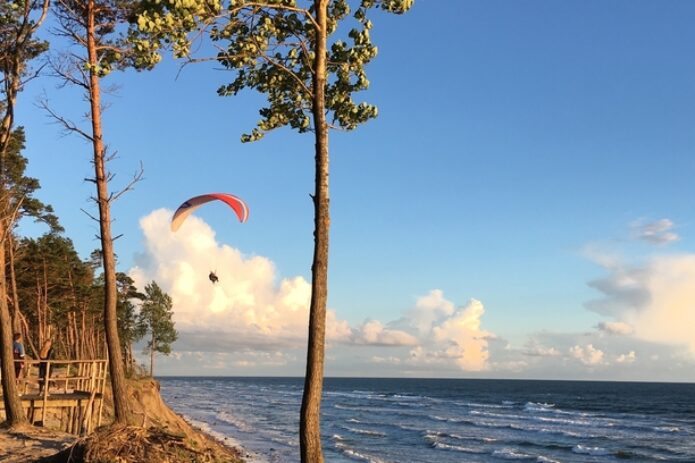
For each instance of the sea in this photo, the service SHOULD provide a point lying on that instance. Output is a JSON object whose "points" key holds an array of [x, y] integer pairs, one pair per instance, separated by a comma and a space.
{"points": [[447, 420]]}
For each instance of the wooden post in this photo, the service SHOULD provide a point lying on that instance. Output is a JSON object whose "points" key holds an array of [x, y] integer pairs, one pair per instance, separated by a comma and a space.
{"points": [[104, 369], [45, 392], [67, 375], [88, 409]]}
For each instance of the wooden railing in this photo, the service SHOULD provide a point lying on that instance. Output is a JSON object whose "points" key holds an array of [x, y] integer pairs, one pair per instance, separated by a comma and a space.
{"points": [[73, 387]]}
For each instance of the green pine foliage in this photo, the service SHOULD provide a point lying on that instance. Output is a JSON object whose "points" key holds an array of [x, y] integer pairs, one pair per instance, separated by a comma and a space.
{"points": [[269, 46], [155, 318]]}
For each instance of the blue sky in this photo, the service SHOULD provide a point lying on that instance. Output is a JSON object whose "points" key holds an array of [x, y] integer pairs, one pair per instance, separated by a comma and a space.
{"points": [[515, 141]]}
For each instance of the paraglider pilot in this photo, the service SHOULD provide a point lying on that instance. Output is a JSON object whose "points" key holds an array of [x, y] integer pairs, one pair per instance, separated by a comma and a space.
{"points": [[213, 277]]}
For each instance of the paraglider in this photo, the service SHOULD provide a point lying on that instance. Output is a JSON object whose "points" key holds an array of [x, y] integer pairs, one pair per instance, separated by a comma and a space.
{"points": [[187, 208]]}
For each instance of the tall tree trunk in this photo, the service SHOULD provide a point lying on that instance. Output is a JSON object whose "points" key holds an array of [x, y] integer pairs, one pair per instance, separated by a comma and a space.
{"points": [[152, 356], [12, 83], [16, 318], [14, 412], [310, 432], [118, 381], [13, 405]]}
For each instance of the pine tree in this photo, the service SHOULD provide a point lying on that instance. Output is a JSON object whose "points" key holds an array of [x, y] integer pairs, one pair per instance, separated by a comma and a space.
{"points": [[156, 318], [94, 27], [288, 51], [19, 21]]}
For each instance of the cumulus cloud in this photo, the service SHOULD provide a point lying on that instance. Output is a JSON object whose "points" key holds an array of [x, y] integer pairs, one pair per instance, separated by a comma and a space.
{"points": [[248, 307], [428, 310], [449, 334], [373, 332], [588, 355], [252, 314], [657, 232], [615, 328], [534, 348], [630, 357], [656, 299]]}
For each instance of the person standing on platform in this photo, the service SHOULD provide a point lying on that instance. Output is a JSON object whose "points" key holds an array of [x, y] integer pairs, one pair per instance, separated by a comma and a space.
{"points": [[18, 354]]}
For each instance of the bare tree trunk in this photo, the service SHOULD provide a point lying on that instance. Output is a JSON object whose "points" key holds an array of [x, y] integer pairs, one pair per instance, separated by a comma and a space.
{"points": [[16, 318], [152, 356], [14, 412], [27, 335], [12, 82], [39, 312], [310, 430], [118, 382]]}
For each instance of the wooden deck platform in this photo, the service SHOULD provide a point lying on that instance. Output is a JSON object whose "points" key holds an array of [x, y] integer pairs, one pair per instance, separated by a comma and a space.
{"points": [[55, 400], [75, 393]]}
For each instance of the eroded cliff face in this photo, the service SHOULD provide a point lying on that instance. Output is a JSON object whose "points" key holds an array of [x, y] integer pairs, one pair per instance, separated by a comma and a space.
{"points": [[158, 434]]}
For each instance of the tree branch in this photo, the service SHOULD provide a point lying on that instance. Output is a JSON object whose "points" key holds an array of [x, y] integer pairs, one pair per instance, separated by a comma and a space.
{"points": [[137, 177], [68, 125]]}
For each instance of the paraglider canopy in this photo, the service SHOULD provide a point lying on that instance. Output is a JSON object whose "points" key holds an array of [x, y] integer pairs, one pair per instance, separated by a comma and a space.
{"points": [[187, 208]]}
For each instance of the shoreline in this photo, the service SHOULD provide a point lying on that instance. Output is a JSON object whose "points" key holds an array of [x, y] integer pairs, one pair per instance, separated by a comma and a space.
{"points": [[226, 441]]}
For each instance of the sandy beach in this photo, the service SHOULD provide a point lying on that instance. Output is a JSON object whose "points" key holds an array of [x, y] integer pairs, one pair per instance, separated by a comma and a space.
{"points": [[31, 443]]}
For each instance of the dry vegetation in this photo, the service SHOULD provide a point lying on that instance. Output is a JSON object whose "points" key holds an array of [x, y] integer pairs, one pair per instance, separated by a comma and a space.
{"points": [[159, 435]]}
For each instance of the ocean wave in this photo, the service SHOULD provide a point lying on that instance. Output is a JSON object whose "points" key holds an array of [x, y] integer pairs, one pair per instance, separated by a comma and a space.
{"points": [[566, 433], [412, 404], [355, 455], [483, 405], [238, 423], [282, 440], [429, 434], [539, 407], [510, 454], [593, 423], [551, 408], [372, 410], [203, 426], [451, 419], [455, 448], [352, 395], [408, 397], [352, 420], [667, 429], [552, 445], [586, 450], [366, 432], [542, 459], [485, 424], [252, 457]]}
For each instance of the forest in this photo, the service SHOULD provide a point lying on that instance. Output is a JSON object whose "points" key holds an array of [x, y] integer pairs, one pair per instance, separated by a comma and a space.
{"points": [[54, 294]]}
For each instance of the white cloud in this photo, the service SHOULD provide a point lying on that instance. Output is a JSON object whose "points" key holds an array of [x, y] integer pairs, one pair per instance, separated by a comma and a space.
{"points": [[615, 328], [372, 332], [429, 309], [588, 355], [252, 314], [657, 232], [656, 299], [533, 348], [248, 307], [448, 334], [630, 357]]}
